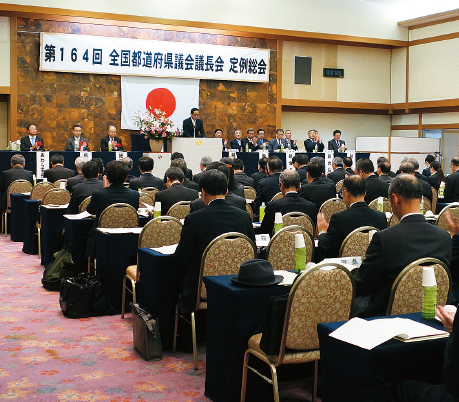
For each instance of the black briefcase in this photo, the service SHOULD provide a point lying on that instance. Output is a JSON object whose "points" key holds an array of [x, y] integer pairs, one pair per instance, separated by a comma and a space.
{"points": [[146, 334]]}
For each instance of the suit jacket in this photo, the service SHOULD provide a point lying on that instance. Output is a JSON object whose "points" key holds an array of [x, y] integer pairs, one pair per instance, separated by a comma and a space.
{"points": [[426, 172], [237, 189], [260, 175], [433, 181], [26, 145], [104, 144], [274, 145], [389, 252], [310, 145], [175, 193], [349, 171], [267, 189], [234, 144], [426, 189], [190, 184], [190, 131], [302, 172], [337, 175], [291, 145], [333, 146], [146, 180], [385, 178], [318, 191], [243, 179], [291, 202], [10, 175], [57, 173], [197, 176], [73, 181], [200, 228], [343, 223], [231, 198], [420, 176], [452, 187], [375, 188], [81, 191], [247, 141], [70, 144]]}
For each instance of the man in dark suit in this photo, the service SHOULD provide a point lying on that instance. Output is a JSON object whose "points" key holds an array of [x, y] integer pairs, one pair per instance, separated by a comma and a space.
{"points": [[261, 174], [375, 187], [175, 190], [291, 144], [178, 155], [347, 162], [73, 181], [408, 168], [16, 172], [76, 142], [111, 141], [193, 126], [31, 142], [130, 163], [317, 188], [57, 171], [394, 248], [291, 202], [337, 144], [261, 141], [240, 176], [269, 187], [146, 178], [383, 170], [249, 143], [300, 162], [338, 172], [358, 214], [90, 173], [452, 182], [205, 161], [418, 175], [201, 227], [219, 134], [428, 160], [313, 141], [276, 144], [237, 142], [180, 163]]}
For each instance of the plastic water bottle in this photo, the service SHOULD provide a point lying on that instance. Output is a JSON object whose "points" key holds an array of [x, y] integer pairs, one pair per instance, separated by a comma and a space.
{"points": [[277, 222], [300, 253], [18, 145], [157, 210], [246, 147], [380, 204], [264, 146], [429, 293], [422, 206], [315, 149], [109, 146], [441, 190], [282, 148], [262, 211], [75, 146], [9, 146]]}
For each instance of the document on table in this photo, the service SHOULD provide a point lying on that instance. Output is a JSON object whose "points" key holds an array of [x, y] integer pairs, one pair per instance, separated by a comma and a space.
{"points": [[166, 250], [120, 230], [82, 215], [289, 277], [369, 334], [54, 206], [349, 262]]}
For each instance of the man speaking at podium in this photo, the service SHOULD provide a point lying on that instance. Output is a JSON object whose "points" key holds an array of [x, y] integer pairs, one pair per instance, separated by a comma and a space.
{"points": [[193, 127]]}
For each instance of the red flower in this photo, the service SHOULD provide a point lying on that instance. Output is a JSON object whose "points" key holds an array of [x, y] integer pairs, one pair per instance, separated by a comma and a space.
{"points": [[82, 143], [39, 143], [118, 145]]}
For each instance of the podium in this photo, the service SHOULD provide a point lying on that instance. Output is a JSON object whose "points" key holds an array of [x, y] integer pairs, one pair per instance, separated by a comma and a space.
{"points": [[193, 149]]}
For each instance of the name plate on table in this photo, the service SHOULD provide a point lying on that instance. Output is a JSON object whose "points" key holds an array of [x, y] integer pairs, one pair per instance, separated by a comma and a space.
{"points": [[262, 240], [329, 155], [232, 153], [42, 163], [263, 153], [119, 155], [289, 154], [86, 154], [349, 262]]}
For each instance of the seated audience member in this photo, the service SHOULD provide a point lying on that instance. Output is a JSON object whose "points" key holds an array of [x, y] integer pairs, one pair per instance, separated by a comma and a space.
{"points": [[436, 175], [146, 178], [219, 134], [116, 143], [408, 168], [130, 164], [269, 187], [73, 181], [81, 191], [384, 159], [57, 171], [17, 172], [336, 144], [428, 161], [237, 142], [317, 188], [313, 141], [347, 162], [179, 155], [261, 141], [31, 142], [175, 190], [180, 163], [382, 171], [415, 164], [338, 172], [301, 165], [289, 181], [100, 163], [358, 214], [392, 249], [200, 228], [76, 142], [261, 174], [205, 160], [375, 187], [276, 144], [233, 186], [233, 199], [291, 144], [250, 141], [453, 229], [452, 182], [239, 174]]}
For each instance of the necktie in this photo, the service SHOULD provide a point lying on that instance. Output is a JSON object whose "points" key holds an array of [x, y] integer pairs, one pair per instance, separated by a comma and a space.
{"points": [[337, 143], [32, 140]]}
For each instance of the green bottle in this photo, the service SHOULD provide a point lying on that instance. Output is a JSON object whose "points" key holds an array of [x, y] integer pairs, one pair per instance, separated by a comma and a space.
{"points": [[262, 211], [277, 222], [300, 253]]}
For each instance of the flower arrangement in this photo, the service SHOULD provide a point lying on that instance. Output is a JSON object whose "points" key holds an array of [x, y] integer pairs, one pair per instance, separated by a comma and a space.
{"points": [[155, 125]]}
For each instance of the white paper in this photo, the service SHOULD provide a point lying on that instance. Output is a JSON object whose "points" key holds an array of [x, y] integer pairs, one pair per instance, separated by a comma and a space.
{"points": [[349, 262], [53, 206], [289, 277], [82, 215], [166, 250], [256, 225], [262, 240], [120, 230], [142, 212]]}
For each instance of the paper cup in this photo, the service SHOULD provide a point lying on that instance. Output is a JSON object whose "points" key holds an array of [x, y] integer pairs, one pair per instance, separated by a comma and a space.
{"points": [[277, 217], [428, 277], [450, 309], [299, 241]]}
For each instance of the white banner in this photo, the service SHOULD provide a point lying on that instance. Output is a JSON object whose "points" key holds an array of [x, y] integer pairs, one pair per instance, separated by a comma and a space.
{"points": [[42, 163], [123, 56], [174, 96]]}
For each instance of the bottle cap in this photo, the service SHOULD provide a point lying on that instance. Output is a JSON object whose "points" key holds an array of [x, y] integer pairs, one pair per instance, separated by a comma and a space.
{"points": [[157, 206], [428, 277], [299, 241], [277, 217], [263, 204]]}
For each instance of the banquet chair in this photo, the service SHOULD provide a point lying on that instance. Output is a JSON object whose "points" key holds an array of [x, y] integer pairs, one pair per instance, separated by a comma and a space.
{"points": [[249, 193], [332, 206], [146, 198], [277, 196], [281, 248], [356, 243], [427, 205], [306, 307], [299, 219], [393, 220], [339, 186], [161, 231], [179, 210], [249, 210], [16, 187], [434, 200], [386, 205], [84, 204], [119, 215], [39, 190], [453, 210], [406, 293], [58, 183], [222, 256], [151, 191]]}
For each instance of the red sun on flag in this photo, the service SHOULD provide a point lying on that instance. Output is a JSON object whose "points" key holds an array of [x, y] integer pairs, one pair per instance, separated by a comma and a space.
{"points": [[161, 98]]}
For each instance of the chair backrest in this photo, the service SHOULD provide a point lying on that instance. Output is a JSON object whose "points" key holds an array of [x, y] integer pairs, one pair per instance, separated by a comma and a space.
{"points": [[84, 204], [40, 189], [386, 205], [161, 231], [17, 187], [250, 193], [281, 248], [453, 210], [307, 307], [299, 219], [56, 196], [427, 205], [179, 210], [119, 215], [58, 184], [393, 220], [339, 185], [434, 200], [150, 190], [146, 198], [406, 293], [277, 196], [249, 210], [332, 206], [223, 256], [356, 242]]}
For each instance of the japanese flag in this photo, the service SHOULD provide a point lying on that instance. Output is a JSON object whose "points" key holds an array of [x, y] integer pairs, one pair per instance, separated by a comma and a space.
{"points": [[174, 96]]}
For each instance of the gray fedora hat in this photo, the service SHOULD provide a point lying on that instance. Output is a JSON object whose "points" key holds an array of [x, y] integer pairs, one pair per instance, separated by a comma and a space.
{"points": [[256, 273]]}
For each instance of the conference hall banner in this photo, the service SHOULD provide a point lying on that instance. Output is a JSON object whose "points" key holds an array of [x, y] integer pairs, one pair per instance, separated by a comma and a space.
{"points": [[124, 56]]}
